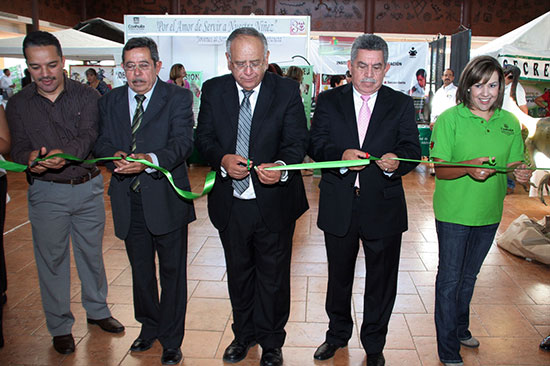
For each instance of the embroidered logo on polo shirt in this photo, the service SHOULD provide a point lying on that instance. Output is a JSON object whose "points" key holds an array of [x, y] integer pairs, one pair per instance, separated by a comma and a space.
{"points": [[506, 130]]}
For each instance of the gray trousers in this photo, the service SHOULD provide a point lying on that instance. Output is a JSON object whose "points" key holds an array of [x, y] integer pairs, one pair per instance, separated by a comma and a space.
{"points": [[59, 212]]}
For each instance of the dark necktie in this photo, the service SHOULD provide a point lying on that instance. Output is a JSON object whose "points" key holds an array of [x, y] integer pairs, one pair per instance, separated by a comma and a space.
{"points": [[243, 136], [136, 122]]}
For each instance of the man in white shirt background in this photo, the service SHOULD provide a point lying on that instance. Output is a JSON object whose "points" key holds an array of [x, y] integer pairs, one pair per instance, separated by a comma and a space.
{"points": [[445, 97], [6, 84]]}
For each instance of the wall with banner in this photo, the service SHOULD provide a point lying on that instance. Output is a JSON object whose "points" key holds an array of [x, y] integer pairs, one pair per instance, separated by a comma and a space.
{"points": [[330, 55], [198, 42], [534, 77]]}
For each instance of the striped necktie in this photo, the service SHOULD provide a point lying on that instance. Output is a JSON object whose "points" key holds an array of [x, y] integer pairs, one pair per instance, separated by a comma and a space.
{"points": [[243, 137], [136, 123]]}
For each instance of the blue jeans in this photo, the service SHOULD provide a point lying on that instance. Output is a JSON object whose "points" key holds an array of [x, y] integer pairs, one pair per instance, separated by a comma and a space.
{"points": [[462, 250]]}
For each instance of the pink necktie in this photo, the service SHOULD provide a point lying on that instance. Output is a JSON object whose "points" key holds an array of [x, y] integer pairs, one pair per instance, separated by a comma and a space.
{"points": [[363, 125]]}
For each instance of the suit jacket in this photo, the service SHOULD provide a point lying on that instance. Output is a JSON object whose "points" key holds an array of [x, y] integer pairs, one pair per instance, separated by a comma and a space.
{"points": [[392, 128], [278, 132], [167, 131]]}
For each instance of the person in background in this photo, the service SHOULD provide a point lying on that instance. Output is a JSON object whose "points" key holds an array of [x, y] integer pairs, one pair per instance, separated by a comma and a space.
{"points": [[445, 97], [6, 85], [178, 76], [543, 101], [295, 73], [475, 131], [94, 82], [254, 118], [5, 143], [151, 120], [514, 92], [337, 80], [418, 89], [26, 79], [514, 98], [274, 68], [365, 204], [65, 199], [348, 77]]}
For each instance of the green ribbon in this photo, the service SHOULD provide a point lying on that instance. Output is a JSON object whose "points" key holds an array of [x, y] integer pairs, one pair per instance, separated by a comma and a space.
{"points": [[211, 176], [208, 184], [350, 163]]}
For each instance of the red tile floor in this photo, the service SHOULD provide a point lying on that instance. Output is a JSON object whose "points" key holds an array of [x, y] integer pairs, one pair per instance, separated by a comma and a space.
{"points": [[510, 309]]}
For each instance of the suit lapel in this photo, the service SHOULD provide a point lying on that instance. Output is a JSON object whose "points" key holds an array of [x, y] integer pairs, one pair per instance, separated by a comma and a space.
{"points": [[156, 104], [263, 104], [122, 116], [350, 120], [230, 99]]}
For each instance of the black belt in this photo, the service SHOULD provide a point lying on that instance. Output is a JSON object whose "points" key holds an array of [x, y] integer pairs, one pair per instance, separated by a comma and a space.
{"points": [[76, 181]]}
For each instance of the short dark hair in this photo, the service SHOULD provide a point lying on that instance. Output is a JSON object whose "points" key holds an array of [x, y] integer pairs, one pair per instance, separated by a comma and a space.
{"points": [[142, 42], [479, 70], [91, 71], [245, 31], [6, 70], [421, 72], [40, 38], [369, 42], [335, 80], [451, 70]]}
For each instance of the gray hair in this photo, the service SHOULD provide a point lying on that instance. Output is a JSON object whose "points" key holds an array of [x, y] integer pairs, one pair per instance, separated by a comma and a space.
{"points": [[369, 42], [142, 42], [245, 31]]}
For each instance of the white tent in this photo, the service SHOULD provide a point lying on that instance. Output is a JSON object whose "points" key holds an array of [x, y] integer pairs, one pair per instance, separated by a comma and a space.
{"points": [[531, 39], [76, 45]]}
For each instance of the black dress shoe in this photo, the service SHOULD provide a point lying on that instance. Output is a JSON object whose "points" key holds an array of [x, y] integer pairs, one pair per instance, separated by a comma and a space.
{"points": [[326, 351], [272, 357], [237, 351], [141, 344], [545, 344], [376, 359], [171, 356], [109, 324], [64, 344]]}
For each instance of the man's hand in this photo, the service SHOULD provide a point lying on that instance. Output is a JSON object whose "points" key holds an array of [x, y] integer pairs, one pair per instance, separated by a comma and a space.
{"points": [[522, 174], [41, 166], [354, 154], [53, 163], [130, 167], [235, 166], [268, 176], [479, 173], [387, 164], [34, 166]]}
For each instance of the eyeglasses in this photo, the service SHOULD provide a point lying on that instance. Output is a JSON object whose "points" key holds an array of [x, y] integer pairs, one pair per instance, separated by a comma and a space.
{"points": [[254, 65], [143, 66]]}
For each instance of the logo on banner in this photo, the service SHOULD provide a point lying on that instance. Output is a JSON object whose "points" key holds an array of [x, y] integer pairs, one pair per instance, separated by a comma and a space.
{"points": [[136, 26], [297, 27], [413, 52]]}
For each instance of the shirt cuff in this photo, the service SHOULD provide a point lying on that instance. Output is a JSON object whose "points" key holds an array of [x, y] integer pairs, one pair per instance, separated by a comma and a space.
{"points": [[223, 172], [284, 173], [155, 161]]}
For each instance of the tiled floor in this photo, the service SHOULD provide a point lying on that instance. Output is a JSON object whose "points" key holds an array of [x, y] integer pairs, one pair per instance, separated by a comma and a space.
{"points": [[510, 310]]}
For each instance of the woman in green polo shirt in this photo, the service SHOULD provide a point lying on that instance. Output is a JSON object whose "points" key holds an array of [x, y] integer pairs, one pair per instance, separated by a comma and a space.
{"points": [[468, 201]]}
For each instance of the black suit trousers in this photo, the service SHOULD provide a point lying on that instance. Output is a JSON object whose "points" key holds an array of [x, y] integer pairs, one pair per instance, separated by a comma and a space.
{"points": [[162, 318], [382, 265], [258, 275]]}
